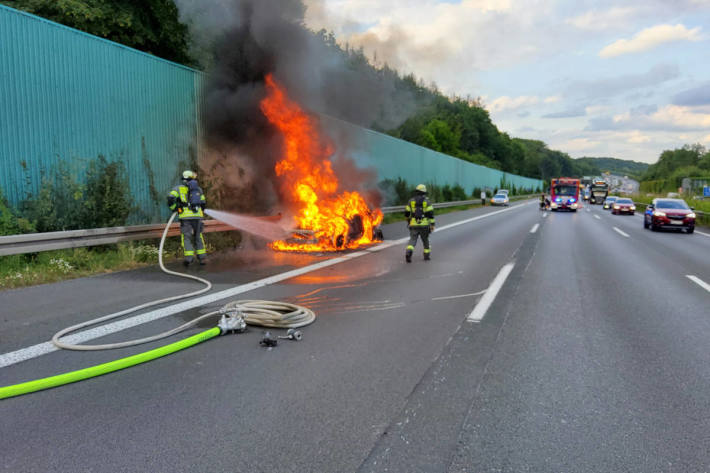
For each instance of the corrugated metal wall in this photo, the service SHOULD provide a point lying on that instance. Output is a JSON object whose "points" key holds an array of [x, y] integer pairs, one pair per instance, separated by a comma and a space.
{"points": [[393, 158], [68, 96]]}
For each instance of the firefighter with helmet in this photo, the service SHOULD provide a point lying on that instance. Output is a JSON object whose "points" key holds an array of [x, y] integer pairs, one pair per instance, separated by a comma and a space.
{"points": [[188, 200], [420, 221]]}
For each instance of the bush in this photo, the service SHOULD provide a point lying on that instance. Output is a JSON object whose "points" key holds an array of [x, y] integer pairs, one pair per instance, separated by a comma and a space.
{"points": [[10, 222], [65, 203]]}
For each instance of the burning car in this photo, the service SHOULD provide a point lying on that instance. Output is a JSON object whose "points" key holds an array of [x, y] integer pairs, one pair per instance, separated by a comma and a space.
{"points": [[327, 218]]}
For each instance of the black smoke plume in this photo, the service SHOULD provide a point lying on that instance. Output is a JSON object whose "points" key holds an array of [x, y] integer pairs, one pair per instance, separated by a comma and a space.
{"points": [[243, 40]]}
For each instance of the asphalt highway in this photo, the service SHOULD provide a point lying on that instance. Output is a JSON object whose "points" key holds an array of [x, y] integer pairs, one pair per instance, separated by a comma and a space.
{"points": [[592, 356]]}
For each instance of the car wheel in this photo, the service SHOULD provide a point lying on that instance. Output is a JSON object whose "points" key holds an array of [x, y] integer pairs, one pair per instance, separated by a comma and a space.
{"points": [[645, 222], [690, 229], [653, 227]]}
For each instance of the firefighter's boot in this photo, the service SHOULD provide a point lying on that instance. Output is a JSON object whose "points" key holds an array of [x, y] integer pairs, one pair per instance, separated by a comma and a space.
{"points": [[408, 256], [427, 256]]}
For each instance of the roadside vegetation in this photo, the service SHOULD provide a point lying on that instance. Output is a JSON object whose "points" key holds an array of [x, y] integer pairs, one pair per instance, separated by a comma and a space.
{"points": [[667, 174]]}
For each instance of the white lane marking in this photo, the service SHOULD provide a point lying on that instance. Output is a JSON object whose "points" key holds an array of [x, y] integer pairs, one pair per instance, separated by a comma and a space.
{"points": [[482, 307], [39, 349], [534, 228], [544, 214], [621, 232], [698, 281], [703, 233], [458, 296], [597, 217]]}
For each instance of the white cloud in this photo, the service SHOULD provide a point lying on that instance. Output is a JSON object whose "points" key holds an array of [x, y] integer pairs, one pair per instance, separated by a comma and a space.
{"points": [[512, 103], [597, 109], [650, 38], [552, 99], [636, 137], [681, 117], [578, 144], [597, 20]]}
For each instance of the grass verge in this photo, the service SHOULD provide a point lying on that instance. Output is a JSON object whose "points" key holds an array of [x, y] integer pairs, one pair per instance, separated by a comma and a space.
{"points": [[59, 265]]}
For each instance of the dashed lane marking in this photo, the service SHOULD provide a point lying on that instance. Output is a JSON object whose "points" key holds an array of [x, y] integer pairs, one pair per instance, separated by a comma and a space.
{"points": [[621, 232], [698, 281], [458, 296], [39, 349], [597, 217], [534, 228], [482, 307]]}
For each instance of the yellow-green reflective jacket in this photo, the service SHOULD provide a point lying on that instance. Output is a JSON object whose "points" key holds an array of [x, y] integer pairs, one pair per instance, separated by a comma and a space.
{"points": [[181, 193], [427, 211]]}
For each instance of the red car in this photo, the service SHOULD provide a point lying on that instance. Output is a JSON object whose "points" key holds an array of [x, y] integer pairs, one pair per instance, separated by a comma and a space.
{"points": [[623, 206], [669, 213]]}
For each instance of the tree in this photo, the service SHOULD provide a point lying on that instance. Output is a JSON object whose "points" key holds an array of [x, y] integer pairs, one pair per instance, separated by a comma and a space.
{"points": [[151, 26]]}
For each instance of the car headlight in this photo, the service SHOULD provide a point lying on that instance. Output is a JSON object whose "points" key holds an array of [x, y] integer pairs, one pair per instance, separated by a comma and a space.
{"points": [[633, 207], [690, 215], [658, 213], [616, 207], [558, 199]]}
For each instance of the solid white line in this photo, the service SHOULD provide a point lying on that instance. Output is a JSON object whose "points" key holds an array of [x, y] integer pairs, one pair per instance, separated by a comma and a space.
{"points": [[482, 307], [698, 281], [620, 232], [703, 233], [534, 228], [457, 297], [34, 351], [597, 217]]}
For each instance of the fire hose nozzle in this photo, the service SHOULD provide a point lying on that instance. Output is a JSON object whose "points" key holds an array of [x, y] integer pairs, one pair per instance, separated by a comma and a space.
{"points": [[292, 334], [268, 340]]}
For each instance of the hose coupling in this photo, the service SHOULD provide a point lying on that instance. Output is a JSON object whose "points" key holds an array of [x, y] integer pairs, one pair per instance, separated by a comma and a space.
{"points": [[232, 320]]}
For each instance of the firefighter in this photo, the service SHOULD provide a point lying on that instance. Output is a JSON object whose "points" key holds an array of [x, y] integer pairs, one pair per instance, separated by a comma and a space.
{"points": [[420, 221], [188, 200]]}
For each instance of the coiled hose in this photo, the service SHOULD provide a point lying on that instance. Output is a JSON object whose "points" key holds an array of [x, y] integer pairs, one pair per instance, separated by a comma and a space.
{"points": [[263, 313]]}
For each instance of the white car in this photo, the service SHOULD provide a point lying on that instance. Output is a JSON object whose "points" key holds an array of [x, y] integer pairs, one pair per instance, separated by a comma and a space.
{"points": [[500, 199]]}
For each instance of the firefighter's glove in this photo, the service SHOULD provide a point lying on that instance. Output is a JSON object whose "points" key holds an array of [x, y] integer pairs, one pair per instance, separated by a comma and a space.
{"points": [[431, 228]]}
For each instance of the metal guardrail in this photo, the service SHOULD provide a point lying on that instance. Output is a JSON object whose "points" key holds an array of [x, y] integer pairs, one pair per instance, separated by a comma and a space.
{"points": [[36, 242]]}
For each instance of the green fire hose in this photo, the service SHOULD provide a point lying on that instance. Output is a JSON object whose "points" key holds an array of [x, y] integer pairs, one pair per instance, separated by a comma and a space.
{"points": [[98, 370]]}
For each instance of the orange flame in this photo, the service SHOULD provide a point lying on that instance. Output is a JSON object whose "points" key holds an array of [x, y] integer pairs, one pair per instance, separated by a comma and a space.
{"points": [[336, 221]]}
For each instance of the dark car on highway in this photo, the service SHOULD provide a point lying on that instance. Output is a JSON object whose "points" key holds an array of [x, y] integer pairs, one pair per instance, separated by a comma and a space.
{"points": [[669, 213], [623, 206], [609, 202]]}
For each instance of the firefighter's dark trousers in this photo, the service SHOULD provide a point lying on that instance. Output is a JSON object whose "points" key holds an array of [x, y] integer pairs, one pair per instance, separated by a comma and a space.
{"points": [[193, 243], [419, 232]]}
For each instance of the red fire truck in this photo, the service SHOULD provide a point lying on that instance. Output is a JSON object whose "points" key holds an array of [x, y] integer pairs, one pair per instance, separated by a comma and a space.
{"points": [[564, 194]]}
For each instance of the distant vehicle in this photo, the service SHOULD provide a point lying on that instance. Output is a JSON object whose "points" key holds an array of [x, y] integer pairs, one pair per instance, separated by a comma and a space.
{"points": [[669, 213], [500, 199], [609, 201], [598, 192], [623, 206], [586, 194], [564, 194], [503, 191]]}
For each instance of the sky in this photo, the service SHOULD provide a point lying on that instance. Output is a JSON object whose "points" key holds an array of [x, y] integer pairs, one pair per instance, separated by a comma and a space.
{"points": [[589, 78]]}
